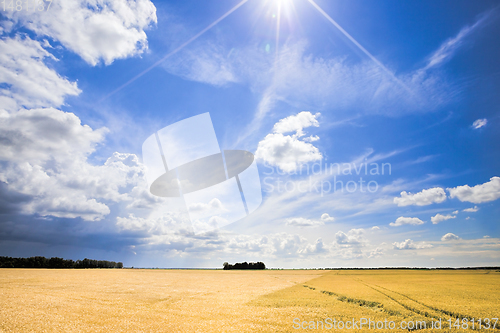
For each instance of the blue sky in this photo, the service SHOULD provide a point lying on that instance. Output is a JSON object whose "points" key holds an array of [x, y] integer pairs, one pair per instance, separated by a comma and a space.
{"points": [[346, 85]]}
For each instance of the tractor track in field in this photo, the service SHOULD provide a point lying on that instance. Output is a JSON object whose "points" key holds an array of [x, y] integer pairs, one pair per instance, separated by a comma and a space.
{"points": [[361, 302], [450, 314], [406, 306]]}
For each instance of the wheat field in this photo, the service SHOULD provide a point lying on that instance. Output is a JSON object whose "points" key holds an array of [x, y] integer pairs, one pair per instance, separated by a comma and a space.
{"points": [[142, 300]]}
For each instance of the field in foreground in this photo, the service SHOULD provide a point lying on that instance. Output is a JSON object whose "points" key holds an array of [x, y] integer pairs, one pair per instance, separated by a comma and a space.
{"points": [[40, 300]]}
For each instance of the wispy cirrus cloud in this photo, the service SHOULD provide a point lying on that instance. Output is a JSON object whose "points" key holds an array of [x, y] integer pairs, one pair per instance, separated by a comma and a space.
{"points": [[448, 49]]}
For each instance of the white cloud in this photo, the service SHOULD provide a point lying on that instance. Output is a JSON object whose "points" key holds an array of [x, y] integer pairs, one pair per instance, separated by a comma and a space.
{"points": [[410, 245], [449, 47], [39, 135], [375, 228], [440, 218], [311, 138], [286, 152], [406, 220], [327, 218], [216, 221], [287, 245], [30, 83], [44, 154], [449, 236], [303, 80], [289, 151], [213, 204], [378, 252], [208, 64], [352, 237], [479, 123], [296, 123], [423, 198], [486, 192], [471, 210], [279, 245], [317, 248], [73, 189], [303, 222], [94, 29]]}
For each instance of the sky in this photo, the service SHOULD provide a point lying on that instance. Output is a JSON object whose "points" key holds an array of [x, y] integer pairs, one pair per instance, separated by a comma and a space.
{"points": [[374, 126]]}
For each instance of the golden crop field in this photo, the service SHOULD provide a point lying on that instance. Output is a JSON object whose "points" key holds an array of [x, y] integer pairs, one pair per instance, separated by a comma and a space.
{"points": [[141, 300]]}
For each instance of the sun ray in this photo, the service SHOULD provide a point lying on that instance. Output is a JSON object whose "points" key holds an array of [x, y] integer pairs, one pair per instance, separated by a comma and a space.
{"points": [[278, 22], [189, 41], [355, 42]]}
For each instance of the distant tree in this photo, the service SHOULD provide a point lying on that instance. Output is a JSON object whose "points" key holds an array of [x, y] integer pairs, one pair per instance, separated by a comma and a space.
{"points": [[244, 265], [42, 262]]}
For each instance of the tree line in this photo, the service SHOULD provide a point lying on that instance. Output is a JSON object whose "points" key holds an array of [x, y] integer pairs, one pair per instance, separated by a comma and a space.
{"points": [[54, 262], [244, 265]]}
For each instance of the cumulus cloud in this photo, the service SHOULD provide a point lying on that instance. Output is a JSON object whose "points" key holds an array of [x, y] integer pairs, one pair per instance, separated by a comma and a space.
{"points": [[44, 156], [296, 123], [302, 222], [44, 151], [423, 198], [317, 248], [449, 236], [378, 252], [40, 135], [287, 245], [94, 29], [327, 218], [486, 192], [274, 245], [471, 210], [406, 220], [352, 237], [289, 151], [479, 123], [25, 79], [440, 218], [213, 204], [77, 189], [410, 245]]}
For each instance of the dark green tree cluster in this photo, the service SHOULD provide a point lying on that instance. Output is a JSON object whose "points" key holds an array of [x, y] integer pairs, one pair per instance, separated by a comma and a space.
{"points": [[245, 265], [54, 262]]}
